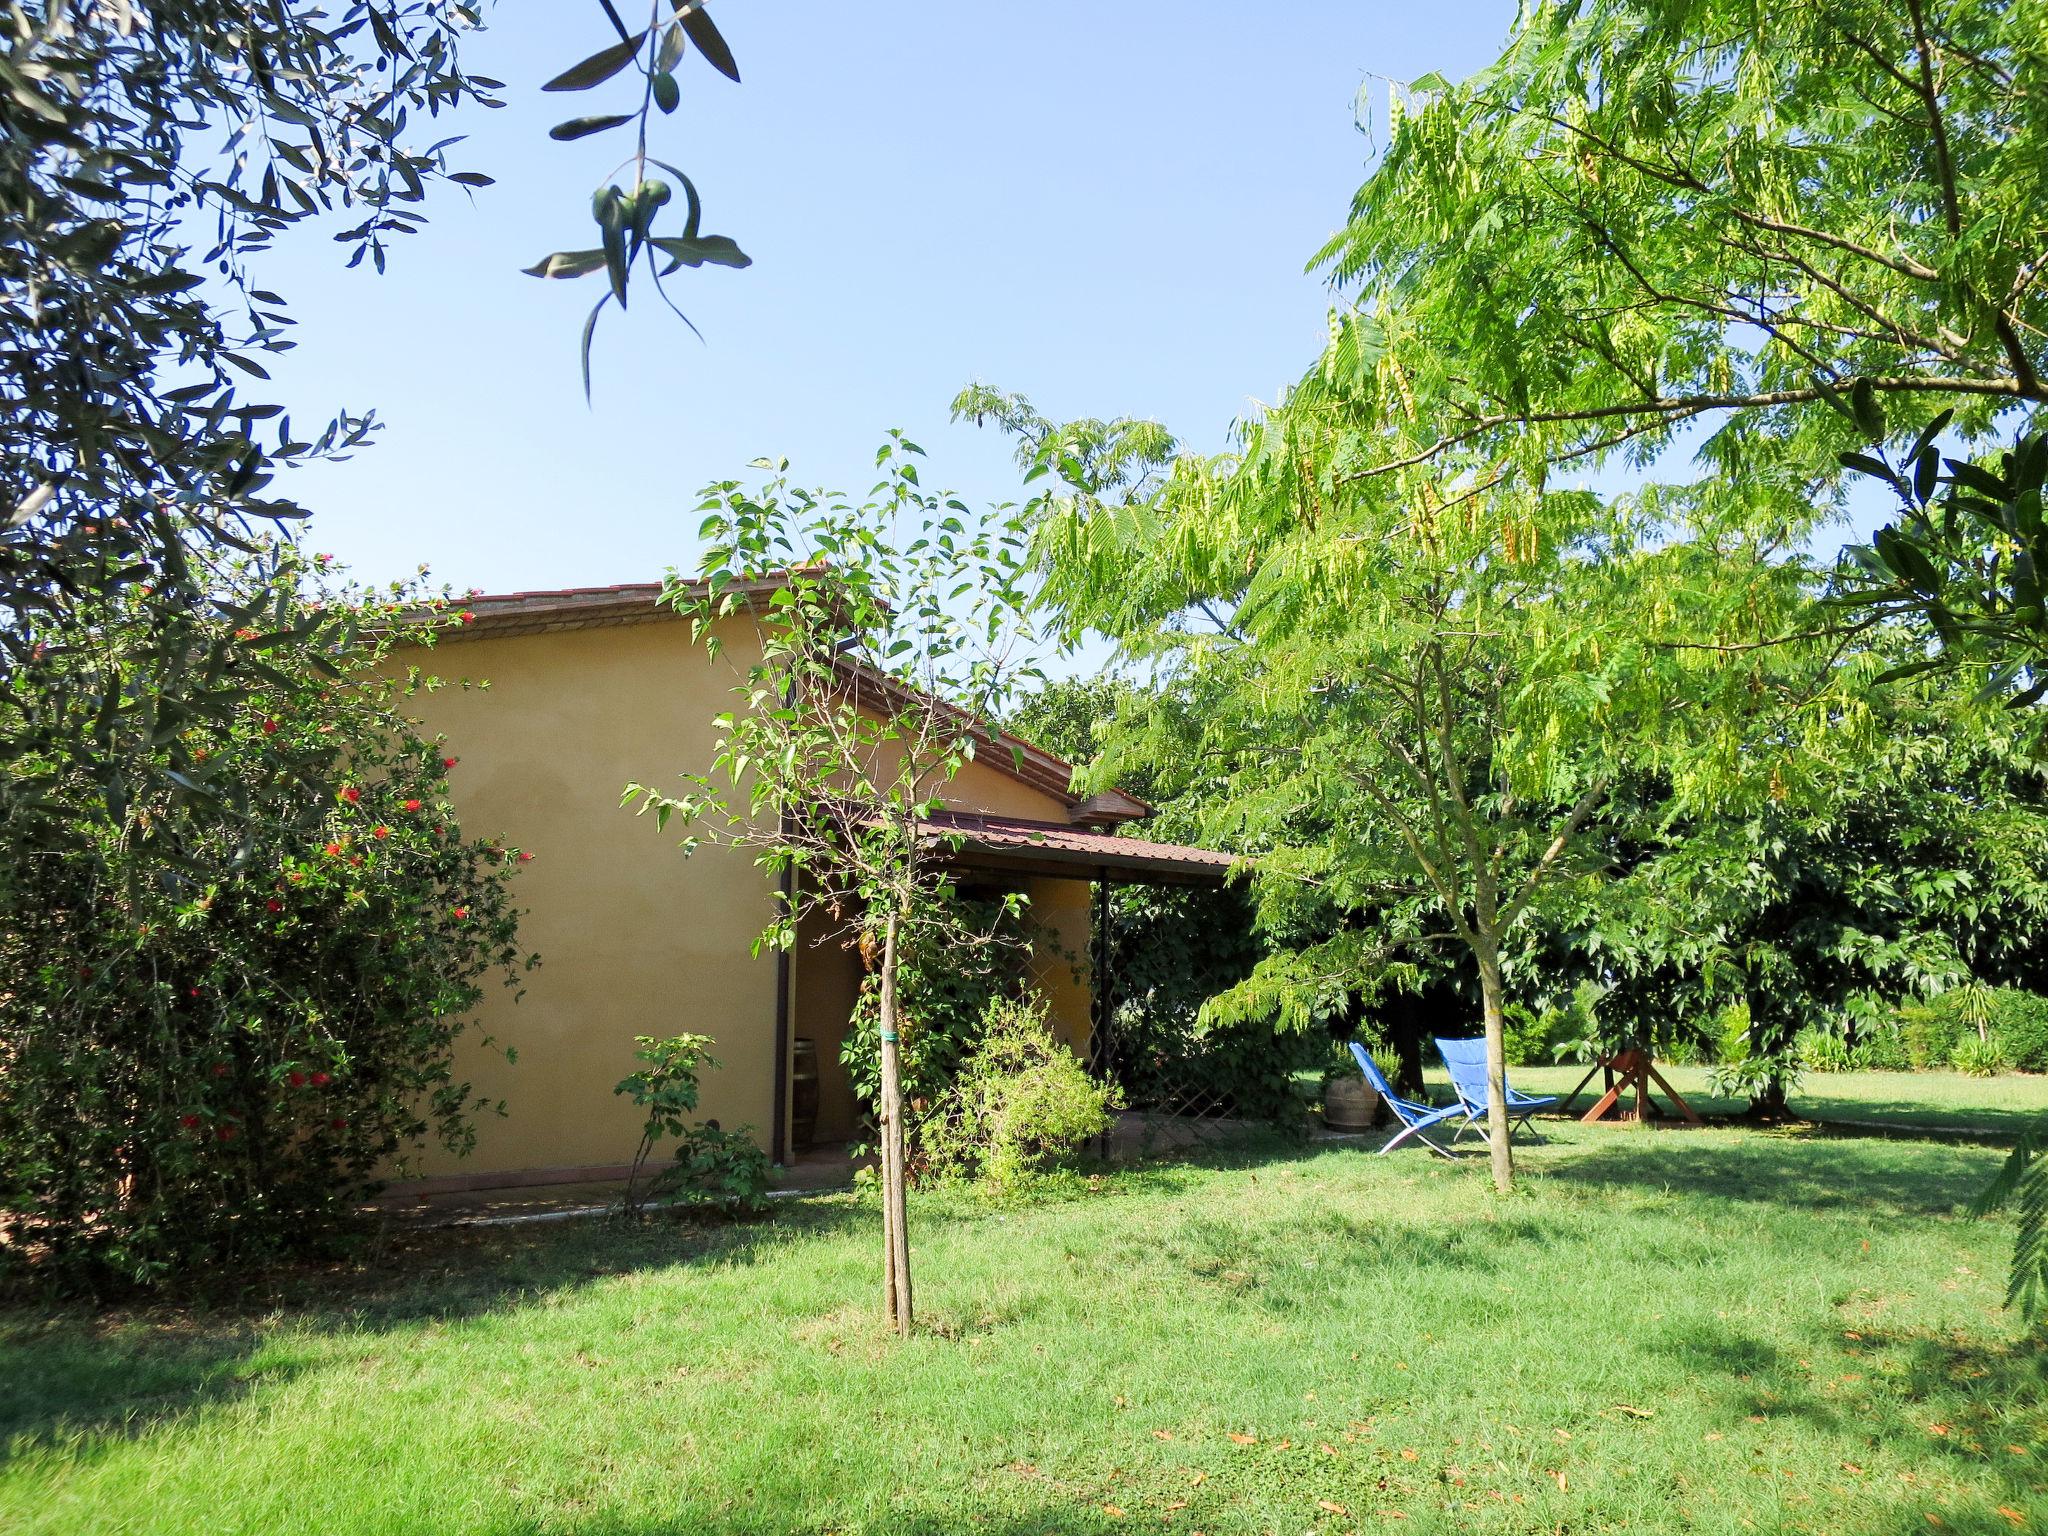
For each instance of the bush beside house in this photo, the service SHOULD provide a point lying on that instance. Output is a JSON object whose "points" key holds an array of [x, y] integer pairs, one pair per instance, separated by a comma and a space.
{"points": [[225, 1017]]}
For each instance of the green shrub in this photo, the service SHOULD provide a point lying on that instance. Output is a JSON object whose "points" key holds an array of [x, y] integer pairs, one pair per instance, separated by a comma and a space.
{"points": [[944, 993], [1822, 1050], [1021, 1103], [709, 1165], [1682, 1050], [222, 1015], [1171, 950], [1937, 1029], [1881, 1047], [1542, 1037], [2020, 1026], [1980, 1057], [1930, 1034], [1387, 1059]]}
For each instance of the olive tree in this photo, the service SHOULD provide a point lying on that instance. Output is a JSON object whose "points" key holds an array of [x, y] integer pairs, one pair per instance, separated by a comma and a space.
{"points": [[151, 158]]}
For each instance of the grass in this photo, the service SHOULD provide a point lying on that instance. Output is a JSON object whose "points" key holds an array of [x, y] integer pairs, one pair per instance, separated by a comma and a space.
{"points": [[1722, 1330], [1998, 1106]]}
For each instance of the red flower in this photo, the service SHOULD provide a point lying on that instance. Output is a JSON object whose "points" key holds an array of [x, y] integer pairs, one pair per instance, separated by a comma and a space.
{"points": [[270, 727], [412, 805], [450, 762], [351, 794], [380, 833], [321, 1079], [525, 857], [85, 973], [274, 904], [461, 912], [332, 850], [188, 1121], [220, 1069], [337, 1125], [194, 991], [224, 1133], [298, 1079], [245, 633], [466, 616], [355, 858]]}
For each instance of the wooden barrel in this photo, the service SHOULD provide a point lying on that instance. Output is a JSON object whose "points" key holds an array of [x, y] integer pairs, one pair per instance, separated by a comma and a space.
{"points": [[803, 1094], [1349, 1104]]}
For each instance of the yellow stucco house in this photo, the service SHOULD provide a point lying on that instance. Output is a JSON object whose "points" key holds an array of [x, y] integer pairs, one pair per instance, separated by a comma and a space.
{"points": [[591, 688]]}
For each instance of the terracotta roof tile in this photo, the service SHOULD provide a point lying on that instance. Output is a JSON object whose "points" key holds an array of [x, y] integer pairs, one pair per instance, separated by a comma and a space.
{"points": [[1020, 842]]}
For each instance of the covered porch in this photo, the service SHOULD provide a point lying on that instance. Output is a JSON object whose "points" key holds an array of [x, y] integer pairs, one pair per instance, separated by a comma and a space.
{"points": [[1066, 872]]}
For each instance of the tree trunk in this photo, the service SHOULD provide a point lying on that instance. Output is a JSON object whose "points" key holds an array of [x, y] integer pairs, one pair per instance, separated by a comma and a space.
{"points": [[1401, 1022], [1769, 1035], [895, 1237], [1502, 1155]]}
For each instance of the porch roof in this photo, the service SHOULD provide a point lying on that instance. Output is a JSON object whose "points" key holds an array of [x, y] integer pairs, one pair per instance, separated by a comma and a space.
{"points": [[1060, 849]]}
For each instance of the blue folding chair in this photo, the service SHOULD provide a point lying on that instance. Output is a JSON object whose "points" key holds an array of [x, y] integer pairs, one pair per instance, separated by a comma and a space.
{"points": [[1465, 1060], [1416, 1119]]}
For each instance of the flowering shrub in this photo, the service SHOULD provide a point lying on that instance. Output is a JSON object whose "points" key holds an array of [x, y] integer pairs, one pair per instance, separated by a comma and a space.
{"points": [[222, 1014]]}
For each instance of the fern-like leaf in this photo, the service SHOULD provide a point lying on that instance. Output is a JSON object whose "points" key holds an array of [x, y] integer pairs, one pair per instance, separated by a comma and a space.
{"points": [[2023, 1183]]}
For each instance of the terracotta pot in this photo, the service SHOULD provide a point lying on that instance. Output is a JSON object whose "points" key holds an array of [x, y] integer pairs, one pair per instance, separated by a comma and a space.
{"points": [[1349, 1104]]}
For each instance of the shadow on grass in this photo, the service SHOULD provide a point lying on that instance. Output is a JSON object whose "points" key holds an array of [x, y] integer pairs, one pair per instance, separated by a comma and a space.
{"points": [[1907, 1117], [1974, 1411], [1811, 1171], [74, 1374]]}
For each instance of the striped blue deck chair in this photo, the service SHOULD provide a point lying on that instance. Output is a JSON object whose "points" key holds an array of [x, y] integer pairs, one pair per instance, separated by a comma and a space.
{"points": [[1465, 1060], [1416, 1119]]}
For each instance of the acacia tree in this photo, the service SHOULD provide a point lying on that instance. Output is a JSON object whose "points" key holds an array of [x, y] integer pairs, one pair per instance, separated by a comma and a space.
{"points": [[1650, 212], [1964, 562], [885, 641], [1422, 710]]}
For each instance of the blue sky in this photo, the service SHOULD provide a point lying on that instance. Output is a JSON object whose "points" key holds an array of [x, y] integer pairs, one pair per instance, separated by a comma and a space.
{"points": [[1107, 206]]}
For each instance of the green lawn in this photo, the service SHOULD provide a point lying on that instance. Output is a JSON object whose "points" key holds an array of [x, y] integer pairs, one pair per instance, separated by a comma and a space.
{"points": [[1717, 1331], [1999, 1105]]}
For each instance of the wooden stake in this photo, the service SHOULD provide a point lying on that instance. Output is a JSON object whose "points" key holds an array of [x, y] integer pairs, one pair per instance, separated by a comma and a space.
{"points": [[895, 1237]]}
